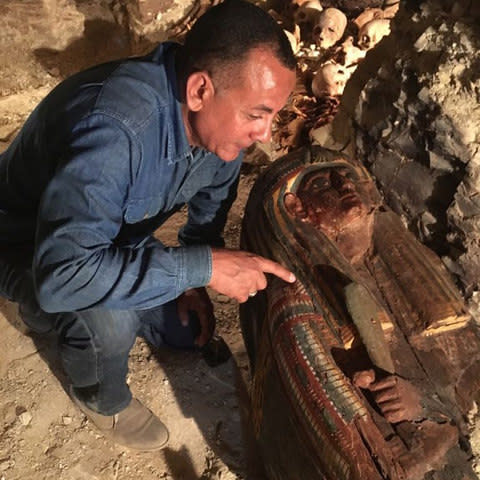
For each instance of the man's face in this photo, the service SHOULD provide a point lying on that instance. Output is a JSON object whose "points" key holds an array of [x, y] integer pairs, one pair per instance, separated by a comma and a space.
{"points": [[236, 116], [330, 199]]}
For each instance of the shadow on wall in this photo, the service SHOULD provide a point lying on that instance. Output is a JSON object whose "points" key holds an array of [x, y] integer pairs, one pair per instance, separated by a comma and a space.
{"points": [[102, 41]]}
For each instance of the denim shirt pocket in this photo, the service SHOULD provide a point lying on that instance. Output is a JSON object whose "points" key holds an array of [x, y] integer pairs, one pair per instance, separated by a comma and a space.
{"points": [[141, 209]]}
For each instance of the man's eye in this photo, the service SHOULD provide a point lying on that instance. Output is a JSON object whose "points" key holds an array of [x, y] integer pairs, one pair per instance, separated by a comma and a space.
{"points": [[252, 116]]}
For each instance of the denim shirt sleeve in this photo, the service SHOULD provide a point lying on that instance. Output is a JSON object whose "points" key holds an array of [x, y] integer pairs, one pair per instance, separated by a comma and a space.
{"points": [[76, 263], [208, 209]]}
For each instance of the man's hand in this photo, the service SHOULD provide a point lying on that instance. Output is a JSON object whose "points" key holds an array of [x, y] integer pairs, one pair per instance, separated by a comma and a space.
{"points": [[197, 300], [238, 274]]}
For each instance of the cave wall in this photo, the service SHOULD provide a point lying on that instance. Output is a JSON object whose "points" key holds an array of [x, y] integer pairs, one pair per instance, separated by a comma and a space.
{"points": [[411, 112], [44, 41]]}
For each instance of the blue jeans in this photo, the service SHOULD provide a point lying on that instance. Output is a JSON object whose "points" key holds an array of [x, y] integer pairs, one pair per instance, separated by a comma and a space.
{"points": [[95, 343]]}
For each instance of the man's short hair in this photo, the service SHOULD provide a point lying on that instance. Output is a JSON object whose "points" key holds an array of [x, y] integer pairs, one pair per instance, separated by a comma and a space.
{"points": [[225, 35]]}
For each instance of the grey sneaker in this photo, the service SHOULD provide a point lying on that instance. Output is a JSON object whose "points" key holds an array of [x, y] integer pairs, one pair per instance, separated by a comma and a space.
{"points": [[134, 427]]}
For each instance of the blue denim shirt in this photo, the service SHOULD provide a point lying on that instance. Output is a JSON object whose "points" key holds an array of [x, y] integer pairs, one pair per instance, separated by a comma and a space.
{"points": [[99, 165]]}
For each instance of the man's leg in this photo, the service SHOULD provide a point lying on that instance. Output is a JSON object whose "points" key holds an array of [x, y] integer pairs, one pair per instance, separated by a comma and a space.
{"points": [[95, 345], [162, 326]]}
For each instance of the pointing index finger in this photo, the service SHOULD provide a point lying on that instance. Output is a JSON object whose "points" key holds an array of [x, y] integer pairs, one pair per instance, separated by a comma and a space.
{"points": [[269, 266]]}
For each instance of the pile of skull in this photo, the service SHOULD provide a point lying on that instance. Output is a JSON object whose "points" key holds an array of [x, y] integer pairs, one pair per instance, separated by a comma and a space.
{"points": [[325, 34]]}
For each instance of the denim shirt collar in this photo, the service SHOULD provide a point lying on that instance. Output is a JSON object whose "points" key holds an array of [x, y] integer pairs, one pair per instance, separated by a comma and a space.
{"points": [[178, 147]]}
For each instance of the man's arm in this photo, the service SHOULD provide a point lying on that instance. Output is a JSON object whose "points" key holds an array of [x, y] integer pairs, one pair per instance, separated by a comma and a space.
{"points": [[76, 263], [208, 209]]}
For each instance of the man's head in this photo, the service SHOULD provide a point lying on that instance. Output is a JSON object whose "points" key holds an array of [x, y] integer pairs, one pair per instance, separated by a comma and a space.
{"points": [[236, 71]]}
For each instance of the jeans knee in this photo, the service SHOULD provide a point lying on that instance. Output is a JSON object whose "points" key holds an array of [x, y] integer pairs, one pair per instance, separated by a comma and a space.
{"points": [[116, 331], [108, 332]]}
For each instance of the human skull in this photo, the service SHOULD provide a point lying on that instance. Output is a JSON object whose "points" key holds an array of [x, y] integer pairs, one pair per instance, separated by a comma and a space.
{"points": [[368, 15], [329, 28], [308, 13], [391, 10], [353, 54], [372, 32], [330, 79]]}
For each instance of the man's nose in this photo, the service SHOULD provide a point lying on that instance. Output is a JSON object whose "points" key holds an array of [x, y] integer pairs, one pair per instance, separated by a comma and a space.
{"points": [[263, 133]]}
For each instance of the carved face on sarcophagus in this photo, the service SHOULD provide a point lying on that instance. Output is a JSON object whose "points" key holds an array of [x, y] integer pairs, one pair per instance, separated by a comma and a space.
{"points": [[328, 198], [334, 201], [366, 367]]}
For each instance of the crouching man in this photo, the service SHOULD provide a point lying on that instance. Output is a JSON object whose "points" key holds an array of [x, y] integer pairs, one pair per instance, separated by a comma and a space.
{"points": [[100, 164]]}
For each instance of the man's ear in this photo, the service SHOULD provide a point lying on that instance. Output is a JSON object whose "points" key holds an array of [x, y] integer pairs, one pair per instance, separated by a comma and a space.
{"points": [[294, 206], [199, 89]]}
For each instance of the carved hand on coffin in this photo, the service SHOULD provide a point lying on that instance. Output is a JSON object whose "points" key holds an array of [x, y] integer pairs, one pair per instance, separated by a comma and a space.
{"points": [[329, 28], [420, 447], [372, 32], [396, 397]]}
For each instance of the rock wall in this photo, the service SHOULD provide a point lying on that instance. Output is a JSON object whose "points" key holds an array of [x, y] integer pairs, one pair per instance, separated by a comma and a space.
{"points": [[412, 114], [44, 41], [152, 20]]}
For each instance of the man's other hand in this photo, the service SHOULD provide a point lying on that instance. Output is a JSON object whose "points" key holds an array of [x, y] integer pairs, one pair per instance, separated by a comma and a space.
{"points": [[239, 274], [197, 300]]}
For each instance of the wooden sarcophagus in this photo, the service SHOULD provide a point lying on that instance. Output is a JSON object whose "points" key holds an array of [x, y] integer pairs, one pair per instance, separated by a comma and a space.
{"points": [[367, 366]]}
